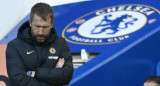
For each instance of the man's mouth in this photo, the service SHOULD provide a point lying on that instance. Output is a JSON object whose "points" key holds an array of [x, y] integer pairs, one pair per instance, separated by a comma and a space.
{"points": [[40, 37]]}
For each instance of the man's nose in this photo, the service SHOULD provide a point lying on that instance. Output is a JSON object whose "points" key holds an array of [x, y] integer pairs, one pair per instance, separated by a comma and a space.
{"points": [[40, 30]]}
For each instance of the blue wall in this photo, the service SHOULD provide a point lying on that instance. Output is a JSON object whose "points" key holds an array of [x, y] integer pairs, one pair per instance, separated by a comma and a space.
{"points": [[120, 63]]}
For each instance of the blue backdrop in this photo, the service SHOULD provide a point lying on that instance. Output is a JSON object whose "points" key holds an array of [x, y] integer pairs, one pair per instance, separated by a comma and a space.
{"points": [[124, 32]]}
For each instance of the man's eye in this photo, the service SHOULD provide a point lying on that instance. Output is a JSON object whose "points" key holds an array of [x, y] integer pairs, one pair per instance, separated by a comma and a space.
{"points": [[38, 26], [45, 27]]}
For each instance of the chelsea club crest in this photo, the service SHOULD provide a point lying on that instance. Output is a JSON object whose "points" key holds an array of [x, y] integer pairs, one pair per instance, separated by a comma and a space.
{"points": [[109, 25], [52, 50]]}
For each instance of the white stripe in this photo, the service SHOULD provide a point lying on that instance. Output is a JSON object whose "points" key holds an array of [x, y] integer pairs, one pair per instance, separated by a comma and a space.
{"points": [[62, 2], [53, 57]]}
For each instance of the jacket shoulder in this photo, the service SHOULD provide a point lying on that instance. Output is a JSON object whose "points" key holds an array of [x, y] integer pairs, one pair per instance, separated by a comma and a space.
{"points": [[59, 42], [60, 39], [13, 42]]}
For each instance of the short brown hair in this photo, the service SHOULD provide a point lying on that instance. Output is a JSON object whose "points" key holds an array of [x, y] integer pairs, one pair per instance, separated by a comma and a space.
{"points": [[155, 79], [43, 10]]}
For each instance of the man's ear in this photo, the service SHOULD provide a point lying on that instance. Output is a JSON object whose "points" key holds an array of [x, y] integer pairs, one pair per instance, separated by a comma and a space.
{"points": [[30, 22]]}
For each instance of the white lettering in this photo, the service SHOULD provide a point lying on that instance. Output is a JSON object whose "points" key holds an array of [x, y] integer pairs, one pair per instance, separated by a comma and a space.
{"points": [[144, 10], [138, 8], [149, 12], [121, 8], [75, 38], [111, 10], [129, 8], [101, 12], [116, 39]]}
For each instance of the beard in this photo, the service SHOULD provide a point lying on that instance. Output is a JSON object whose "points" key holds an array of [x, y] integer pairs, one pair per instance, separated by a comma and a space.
{"points": [[39, 38]]}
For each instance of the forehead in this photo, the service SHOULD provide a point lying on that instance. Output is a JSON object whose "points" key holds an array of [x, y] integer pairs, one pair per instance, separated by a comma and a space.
{"points": [[150, 84], [37, 19]]}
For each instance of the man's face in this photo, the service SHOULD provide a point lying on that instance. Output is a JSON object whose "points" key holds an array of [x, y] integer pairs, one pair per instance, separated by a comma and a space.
{"points": [[40, 28], [150, 84]]}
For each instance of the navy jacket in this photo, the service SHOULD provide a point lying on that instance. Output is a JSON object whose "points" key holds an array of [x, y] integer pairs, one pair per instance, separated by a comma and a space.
{"points": [[25, 54]]}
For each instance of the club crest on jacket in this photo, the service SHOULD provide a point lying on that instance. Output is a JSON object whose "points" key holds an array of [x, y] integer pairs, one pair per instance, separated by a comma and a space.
{"points": [[52, 50]]}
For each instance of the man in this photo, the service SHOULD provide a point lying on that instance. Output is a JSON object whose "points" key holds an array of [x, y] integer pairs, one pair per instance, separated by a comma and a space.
{"points": [[152, 81], [38, 57]]}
